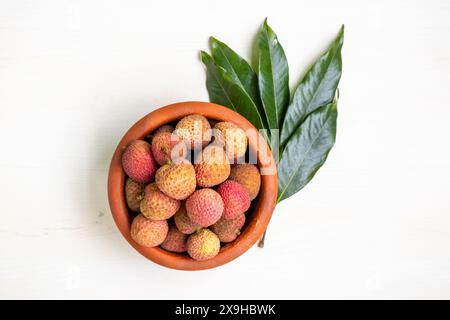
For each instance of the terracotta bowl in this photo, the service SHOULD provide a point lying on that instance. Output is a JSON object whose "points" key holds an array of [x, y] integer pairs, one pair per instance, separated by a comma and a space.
{"points": [[257, 220]]}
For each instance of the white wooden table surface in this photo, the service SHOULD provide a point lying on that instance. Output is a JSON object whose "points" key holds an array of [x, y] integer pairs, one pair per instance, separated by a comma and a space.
{"points": [[74, 75]]}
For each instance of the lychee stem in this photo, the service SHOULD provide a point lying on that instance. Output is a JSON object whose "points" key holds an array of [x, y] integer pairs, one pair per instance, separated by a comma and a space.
{"points": [[261, 240]]}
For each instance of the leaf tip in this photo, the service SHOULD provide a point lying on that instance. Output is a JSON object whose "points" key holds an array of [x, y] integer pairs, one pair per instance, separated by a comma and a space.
{"points": [[339, 40], [213, 40], [341, 33], [204, 56], [265, 25]]}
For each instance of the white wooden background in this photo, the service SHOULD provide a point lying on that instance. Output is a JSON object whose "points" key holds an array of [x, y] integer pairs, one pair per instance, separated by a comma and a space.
{"points": [[74, 75]]}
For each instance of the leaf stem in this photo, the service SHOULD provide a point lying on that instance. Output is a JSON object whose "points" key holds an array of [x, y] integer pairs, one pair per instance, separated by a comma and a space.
{"points": [[263, 237], [261, 240]]}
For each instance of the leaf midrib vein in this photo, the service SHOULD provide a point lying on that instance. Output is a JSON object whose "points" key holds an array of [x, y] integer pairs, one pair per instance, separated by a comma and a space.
{"points": [[273, 81], [223, 89], [301, 163], [228, 61], [314, 95], [249, 98]]}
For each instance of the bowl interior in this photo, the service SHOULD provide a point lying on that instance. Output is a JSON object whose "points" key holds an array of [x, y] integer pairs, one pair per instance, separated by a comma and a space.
{"points": [[262, 209]]}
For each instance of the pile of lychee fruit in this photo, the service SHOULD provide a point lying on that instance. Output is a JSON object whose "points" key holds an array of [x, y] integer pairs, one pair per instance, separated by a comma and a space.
{"points": [[190, 186]]}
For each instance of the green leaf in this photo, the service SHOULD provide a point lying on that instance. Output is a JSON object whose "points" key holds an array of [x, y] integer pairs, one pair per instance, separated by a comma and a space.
{"points": [[273, 77], [223, 90], [239, 69], [317, 88], [307, 150]]}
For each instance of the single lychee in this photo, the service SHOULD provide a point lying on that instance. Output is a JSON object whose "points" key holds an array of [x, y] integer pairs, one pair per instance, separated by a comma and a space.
{"points": [[203, 245], [232, 138], [177, 180], [183, 222], [167, 146], [164, 128], [175, 240], [204, 207], [134, 193], [138, 162], [235, 198], [194, 130], [212, 166], [247, 175], [156, 205], [148, 233], [228, 230]]}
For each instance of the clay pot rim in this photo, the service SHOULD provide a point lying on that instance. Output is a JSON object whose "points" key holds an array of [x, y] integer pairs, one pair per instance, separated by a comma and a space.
{"points": [[256, 224]]}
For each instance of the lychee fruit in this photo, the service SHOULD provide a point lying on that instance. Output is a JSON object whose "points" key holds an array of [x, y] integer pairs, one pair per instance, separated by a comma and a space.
{"points": [[167, 146], [248, 176], [212, 166], [138, 162], [164, 128], [134, 193], [148, 233], [194, 130], [204, 207], [177, 180], [183, 222], [203, 245], [235, 198], [156, 205], [228, 230], [175, 240], [232, 138]]}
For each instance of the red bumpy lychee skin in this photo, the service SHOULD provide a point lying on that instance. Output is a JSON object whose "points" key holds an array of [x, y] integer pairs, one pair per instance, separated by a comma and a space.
{"points": [[138, 162], [203, 245], [194, 130], [134, 193], [212, 166], [235, 198], [232, 138], [148, 233], [184, 223], [204, 207], [228, 230], [177, 180], [175, 240], [247, 175], [167, 146], [164, 128], [156, 205]]}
